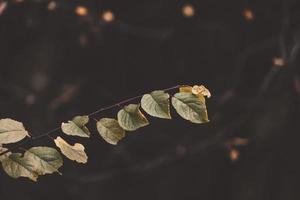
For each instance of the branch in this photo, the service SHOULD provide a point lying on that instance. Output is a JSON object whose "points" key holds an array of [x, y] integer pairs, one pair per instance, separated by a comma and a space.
{"points": [[48, 133]]}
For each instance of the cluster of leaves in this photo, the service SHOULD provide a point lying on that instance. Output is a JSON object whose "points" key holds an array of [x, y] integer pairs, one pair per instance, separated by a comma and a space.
{"points": [[189, 103]]}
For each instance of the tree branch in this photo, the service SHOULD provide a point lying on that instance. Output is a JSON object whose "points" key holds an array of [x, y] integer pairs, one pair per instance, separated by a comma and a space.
{"points": [[48, 133]]}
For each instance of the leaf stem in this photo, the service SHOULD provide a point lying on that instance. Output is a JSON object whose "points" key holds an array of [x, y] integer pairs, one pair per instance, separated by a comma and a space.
{"points": [[47, 134]]}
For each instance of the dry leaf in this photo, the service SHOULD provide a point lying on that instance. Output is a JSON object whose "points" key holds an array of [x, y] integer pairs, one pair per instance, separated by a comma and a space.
{"points": [[75, 152]]}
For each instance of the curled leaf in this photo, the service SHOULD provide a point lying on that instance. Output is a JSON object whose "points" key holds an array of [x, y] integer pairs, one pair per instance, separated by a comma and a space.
{"points": [[110, 130], [157, 104], [201, 90], [77, 127], [75, 152], [190, 107], [11, 131], [131, 118]]}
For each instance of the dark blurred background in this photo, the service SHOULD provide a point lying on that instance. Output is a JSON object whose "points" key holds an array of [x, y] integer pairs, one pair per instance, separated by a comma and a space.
{"points": [[62, 58]]}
